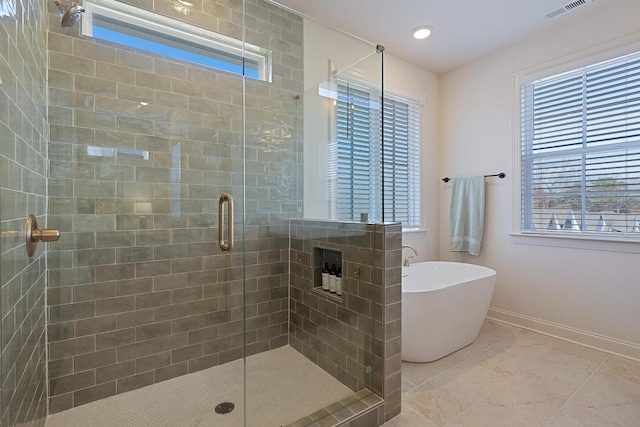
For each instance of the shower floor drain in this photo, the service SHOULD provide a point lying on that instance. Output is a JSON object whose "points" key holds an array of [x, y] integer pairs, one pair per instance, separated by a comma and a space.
{"points": [[224, 408]]}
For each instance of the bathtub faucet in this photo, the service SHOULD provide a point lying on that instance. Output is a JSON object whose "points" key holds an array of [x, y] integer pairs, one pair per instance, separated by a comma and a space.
{"points": [[406, 260]]}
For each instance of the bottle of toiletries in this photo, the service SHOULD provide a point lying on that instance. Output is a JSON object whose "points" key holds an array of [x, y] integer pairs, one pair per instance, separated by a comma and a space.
{"points": [[325, 277], [332, 279], [339, 281]]}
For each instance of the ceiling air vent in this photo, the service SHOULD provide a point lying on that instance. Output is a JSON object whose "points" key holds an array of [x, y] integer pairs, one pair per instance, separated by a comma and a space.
{"points": [[566, 8]]}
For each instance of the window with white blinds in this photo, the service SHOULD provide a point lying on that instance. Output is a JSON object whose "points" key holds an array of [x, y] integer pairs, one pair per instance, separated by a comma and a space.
{"points": [[377, 177], [580, 136]]}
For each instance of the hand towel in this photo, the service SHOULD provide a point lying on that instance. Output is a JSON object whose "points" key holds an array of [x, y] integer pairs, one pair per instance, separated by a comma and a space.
{"points": [[467, 214]]}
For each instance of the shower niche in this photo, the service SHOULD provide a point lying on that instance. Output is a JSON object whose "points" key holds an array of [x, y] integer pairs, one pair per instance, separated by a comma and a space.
{"points": [[327, 272]]}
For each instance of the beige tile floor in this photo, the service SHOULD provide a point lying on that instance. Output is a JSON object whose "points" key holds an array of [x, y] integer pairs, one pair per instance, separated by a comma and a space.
{"points": [[514, 377]]}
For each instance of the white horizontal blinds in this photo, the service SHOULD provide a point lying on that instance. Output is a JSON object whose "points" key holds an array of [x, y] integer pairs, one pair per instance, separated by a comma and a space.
{"points": [[613, 102], [401, 156], [354, 151], [364, 166], [581, 149]]}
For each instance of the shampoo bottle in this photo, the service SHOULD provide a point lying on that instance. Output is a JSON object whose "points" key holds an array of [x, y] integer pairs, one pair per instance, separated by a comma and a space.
{"points": [[332, 279], [339, 282], [325, 277]]}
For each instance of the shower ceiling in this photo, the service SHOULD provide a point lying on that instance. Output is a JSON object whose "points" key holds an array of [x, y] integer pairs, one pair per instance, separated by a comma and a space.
{"points": [[463, 30]]}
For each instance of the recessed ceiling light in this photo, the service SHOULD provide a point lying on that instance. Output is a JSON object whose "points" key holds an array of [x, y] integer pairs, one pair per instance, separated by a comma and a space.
{"points": [[421, 32]]}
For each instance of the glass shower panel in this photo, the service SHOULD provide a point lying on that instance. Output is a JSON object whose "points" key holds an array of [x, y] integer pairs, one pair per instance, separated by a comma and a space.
{"points": [[142, 147], [343, 144], [316, 350]]}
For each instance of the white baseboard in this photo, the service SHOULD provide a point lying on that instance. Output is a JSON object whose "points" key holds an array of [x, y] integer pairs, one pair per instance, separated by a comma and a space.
{"points": [[588, 339]]}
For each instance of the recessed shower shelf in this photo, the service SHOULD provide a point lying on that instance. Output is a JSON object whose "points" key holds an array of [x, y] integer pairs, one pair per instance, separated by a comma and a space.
{"points": [[327, 273]]}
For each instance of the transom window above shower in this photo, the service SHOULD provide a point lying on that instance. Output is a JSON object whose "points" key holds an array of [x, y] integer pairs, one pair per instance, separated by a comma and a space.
{"points": [[138, 28]]}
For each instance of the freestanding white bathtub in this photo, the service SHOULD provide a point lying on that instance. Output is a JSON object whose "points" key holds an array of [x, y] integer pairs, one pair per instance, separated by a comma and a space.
{"points": [[443, 307]]}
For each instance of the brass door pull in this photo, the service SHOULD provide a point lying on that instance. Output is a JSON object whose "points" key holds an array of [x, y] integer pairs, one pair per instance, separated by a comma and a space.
{"points": [[34, 235], [228, 245]]}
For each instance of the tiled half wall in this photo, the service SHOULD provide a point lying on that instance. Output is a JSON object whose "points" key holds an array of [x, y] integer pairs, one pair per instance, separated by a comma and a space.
{"points": [[360, 330]]}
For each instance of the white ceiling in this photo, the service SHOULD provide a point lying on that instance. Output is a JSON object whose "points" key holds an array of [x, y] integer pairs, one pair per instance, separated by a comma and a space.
{"points": [[463, 30]]}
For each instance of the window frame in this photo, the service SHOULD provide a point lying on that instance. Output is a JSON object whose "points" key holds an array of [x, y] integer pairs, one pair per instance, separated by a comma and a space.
{"points": [[607, 242], [202, 39]]}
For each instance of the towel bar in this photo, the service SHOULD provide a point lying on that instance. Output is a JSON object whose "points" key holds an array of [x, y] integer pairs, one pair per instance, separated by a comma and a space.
{"points": [[499, 175]]}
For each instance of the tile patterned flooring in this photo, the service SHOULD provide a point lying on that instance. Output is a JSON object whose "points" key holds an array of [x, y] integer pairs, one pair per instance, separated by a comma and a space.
{"points": [[514, 377]]}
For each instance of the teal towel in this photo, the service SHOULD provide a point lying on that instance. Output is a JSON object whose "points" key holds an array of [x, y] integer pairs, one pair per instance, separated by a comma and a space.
{"points": [[467, 214]]}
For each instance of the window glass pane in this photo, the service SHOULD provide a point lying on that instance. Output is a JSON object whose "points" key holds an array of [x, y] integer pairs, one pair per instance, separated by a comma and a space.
{"points": [[613, 102], [554, 114], [141, 29], [581, 150]]}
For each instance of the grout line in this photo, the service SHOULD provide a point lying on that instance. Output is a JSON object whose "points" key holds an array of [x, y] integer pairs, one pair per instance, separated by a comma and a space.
{"points": [[414, 386], [477, 402], [419, 414], [578, 389]]}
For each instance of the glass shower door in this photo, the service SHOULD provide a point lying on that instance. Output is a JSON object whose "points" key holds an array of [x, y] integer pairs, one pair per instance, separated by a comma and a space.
{"points": [[272, 186], [140, 293]]}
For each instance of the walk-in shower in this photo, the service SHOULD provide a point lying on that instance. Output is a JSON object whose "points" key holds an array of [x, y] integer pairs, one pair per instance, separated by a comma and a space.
{"points": [[189, 261]]}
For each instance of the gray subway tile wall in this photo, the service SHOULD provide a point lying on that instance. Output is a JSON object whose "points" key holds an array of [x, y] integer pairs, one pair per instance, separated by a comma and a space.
{"points": [[138, 289], [23, 136]]}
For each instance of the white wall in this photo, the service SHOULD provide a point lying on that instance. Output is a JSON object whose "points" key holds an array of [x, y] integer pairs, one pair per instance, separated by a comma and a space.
{"points": [[586, 295], [401, 78]]}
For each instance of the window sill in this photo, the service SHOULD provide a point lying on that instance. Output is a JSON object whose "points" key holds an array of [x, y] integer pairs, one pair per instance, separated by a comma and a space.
{"points": [[594, 243], [414, 230]]}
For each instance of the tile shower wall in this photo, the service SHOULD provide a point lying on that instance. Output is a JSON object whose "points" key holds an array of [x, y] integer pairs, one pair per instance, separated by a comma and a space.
{"points": [[345, 336], [138, 289], [23, 136]]}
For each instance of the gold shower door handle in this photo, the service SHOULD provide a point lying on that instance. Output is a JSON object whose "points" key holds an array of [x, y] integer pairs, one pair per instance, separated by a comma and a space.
{"points": [[34, 235], [226, 247]]}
